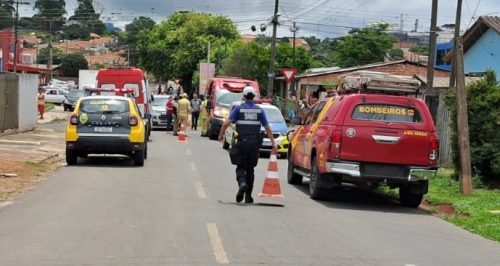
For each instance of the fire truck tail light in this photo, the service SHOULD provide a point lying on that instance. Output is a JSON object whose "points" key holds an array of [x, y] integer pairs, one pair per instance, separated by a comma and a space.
{"points": [[335, 142], [434, 148]]}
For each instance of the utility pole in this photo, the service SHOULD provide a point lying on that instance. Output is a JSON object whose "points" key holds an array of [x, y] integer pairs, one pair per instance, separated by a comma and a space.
{"points": [[458, 18], [16, 18], [462, 121], [432, 47], [208, 53], [270, 74], [294, 30]]}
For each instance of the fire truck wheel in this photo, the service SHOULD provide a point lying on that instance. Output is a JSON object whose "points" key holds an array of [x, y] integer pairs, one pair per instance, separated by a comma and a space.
{"points": [[315, 192], [409, 199], [292, 177]]}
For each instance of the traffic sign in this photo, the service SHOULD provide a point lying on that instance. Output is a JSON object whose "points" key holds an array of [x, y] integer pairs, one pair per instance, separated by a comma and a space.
{"points": [[289, 74]]}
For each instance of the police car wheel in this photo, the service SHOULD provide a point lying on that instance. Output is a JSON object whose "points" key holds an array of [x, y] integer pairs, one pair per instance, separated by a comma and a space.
{"points": [[292, 177], [139, 157], [71, 157]]}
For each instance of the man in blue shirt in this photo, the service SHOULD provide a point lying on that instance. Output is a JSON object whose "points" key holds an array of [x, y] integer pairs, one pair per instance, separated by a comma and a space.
{"points": [[248, 118]]}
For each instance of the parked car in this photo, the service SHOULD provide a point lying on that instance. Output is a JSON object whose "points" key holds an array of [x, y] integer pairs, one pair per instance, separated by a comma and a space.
{"points": [[72, 98], [106, 125], [367, 139], [159, 111], [278, 126], [55, 95]]}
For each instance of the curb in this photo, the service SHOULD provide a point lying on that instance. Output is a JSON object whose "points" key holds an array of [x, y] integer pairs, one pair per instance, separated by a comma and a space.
{"points": [[49, 158], [20, 142]]}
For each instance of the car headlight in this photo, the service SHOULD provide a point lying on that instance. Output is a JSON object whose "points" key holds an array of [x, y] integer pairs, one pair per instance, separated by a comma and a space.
{"points": [[221, 112]]}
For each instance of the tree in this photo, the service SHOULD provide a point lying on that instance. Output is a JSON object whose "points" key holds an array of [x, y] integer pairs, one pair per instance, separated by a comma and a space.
{"points": [[6, 12], [284, 57], [363, 46], [130, 37], [396, 54], [249, 61], [322, 51], [175, 47], [72, 63], [483, 102], [87, 17], [50, 13], [43, 56], [75, 31]]}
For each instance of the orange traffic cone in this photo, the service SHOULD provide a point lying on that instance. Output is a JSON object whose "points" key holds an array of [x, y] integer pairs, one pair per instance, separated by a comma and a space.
{"points": [[271, 186], [182, 134]]}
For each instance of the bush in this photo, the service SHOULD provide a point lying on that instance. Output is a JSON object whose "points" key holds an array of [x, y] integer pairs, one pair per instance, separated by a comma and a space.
{"points": [[72, 63], [483, 108]]}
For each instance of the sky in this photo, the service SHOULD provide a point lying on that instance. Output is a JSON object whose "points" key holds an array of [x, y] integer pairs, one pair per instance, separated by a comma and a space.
{"points": [[321, 18]]}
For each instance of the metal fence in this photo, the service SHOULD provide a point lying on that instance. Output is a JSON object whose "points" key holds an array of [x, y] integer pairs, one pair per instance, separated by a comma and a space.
{"points": [[9, 93]]}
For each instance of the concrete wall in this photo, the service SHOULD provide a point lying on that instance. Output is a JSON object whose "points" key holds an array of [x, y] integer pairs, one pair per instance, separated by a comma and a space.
{"points": [[484, 54], [28, 111]]}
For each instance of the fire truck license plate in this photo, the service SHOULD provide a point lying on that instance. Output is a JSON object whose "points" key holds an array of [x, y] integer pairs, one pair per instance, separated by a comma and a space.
{"points": [[103, 129]]}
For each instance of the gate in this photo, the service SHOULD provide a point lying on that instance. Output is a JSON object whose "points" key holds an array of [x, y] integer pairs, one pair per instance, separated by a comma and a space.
{"points": [[9, 85]]}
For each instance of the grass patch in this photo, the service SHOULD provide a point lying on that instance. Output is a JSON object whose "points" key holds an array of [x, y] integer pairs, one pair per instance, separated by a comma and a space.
{"points": [[49, 106], [472, 211]]}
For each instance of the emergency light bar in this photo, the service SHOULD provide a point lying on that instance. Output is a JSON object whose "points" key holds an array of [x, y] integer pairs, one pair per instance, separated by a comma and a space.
{"points": [[369, 81], [111, 91]]}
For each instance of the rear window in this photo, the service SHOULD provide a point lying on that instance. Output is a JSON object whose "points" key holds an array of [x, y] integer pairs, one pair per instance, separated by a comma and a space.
{"points": [[386, 113], [104, 106]]}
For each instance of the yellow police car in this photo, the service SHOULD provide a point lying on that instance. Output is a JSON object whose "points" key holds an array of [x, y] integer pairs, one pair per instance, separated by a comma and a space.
{"points": [[106, 125]]}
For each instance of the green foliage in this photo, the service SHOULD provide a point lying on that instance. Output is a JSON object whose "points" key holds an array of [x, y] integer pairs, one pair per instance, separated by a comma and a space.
{"points": [[420, 49], [75, 31], [363, 46], [472, 211], [322, 51], [175, 47], [396, 54], [53, 10], [131, 34], [483, 108], [6, 12], [249, 61], [285, 54], [99, 66], [72, 63], [43, 55]]}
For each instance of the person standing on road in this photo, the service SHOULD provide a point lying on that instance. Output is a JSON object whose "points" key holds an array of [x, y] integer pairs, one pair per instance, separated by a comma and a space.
{"points": [[175, 116], [41, 102], [203, 117], [183, 110], [169, 107], [195, 107], [248, 118]]}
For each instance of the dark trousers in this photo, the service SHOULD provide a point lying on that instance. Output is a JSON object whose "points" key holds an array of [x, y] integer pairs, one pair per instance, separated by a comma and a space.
{"points": [[169, 121], [194, 120], [249, 149]]}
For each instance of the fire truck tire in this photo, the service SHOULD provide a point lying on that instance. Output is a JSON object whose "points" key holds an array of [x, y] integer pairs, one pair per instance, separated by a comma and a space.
{"points": [[139, 157], [409, 199], [212, 134], [315, 192], [292, 177]]}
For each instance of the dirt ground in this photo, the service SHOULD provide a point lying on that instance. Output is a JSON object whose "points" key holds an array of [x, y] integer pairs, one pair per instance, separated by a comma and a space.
{"points": [[28, 175]]}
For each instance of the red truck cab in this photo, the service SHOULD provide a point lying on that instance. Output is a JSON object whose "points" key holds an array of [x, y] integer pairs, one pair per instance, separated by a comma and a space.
{"points": [[128, 79], [367, 139], [223, 91]]}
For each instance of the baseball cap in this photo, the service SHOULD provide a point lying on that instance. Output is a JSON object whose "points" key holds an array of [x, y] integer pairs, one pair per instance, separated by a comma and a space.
{"points": [[248, 90]]}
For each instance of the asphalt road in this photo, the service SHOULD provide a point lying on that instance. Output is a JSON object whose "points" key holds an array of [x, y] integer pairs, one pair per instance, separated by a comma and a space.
{"points": [[179, 210]]}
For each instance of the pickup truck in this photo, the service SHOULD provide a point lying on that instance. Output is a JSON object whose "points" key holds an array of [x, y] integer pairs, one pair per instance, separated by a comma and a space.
{"points": [[365, 139]]}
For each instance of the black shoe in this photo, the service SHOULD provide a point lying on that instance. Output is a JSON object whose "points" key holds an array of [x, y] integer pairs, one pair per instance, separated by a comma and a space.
{"points": [[248, 195], [241, 192]]}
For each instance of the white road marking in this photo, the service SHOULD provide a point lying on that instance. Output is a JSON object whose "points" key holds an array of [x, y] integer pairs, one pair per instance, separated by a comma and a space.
{"points": [[193, 167], [410, 265], [200, 191], [188, 152], [220, 254]]}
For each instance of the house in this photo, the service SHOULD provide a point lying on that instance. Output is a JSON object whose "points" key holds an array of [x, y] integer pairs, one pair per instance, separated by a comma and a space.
{"points": [[317, 82], [481, 44]]}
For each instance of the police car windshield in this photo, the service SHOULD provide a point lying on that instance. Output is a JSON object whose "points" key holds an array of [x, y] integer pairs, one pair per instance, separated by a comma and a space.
{"points": [[273, 115], [226, 98]]}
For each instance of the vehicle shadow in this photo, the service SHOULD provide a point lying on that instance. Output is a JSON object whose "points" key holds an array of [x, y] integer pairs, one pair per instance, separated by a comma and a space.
{"points": [[353, 198], [109, 161]]}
